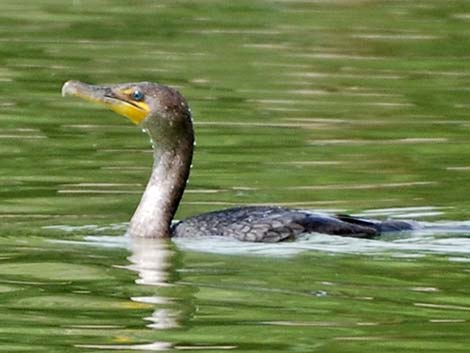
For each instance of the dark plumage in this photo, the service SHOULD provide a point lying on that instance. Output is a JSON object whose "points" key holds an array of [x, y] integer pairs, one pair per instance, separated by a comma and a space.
{"points": [[274, 224]]}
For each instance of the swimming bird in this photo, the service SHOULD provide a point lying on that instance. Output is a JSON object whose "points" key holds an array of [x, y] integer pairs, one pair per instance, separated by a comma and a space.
{"points": [[165, 115]]}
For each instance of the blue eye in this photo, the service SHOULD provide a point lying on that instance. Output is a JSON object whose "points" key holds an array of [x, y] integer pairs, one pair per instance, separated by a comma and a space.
{"points": [[137, 95]]}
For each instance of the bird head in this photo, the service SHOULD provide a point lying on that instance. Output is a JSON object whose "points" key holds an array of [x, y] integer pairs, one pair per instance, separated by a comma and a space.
{"points": [[160, 110]]}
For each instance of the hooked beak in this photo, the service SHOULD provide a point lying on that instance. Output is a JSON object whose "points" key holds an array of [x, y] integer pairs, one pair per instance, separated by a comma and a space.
{"points": [[111, 97]]}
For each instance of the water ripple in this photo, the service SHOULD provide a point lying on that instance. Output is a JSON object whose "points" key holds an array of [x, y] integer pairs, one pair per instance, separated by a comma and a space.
{"points": [[449, 238]]}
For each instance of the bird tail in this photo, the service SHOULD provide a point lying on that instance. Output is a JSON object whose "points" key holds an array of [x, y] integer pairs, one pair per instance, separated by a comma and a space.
{"points": [[380, 226]]}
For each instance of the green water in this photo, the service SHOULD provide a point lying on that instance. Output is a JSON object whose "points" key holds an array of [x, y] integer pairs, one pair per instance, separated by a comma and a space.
{"points": [[343, 106]]}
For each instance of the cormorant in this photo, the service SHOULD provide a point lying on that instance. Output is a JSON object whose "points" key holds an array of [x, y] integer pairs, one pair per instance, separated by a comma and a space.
{"points": [[165, 115]]}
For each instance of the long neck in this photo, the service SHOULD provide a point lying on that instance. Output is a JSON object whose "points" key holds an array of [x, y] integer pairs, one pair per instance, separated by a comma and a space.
{"points": [[153, 216]]}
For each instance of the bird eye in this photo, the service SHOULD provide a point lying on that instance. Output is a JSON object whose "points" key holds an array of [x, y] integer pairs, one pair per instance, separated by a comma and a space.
{"points": [[137, 95]]}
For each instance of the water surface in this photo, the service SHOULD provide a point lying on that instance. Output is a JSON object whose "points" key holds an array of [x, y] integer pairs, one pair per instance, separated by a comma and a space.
{"points": [[340, 106]]}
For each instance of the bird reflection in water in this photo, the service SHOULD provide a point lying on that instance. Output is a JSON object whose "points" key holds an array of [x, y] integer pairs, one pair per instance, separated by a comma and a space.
{"points": [[151, 259]]}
